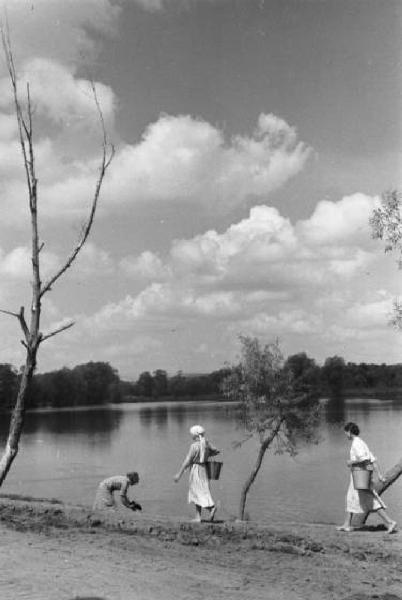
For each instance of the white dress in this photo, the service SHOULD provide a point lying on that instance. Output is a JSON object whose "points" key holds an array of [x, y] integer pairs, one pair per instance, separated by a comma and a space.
{"points": [[361, 501], [199, 492]]}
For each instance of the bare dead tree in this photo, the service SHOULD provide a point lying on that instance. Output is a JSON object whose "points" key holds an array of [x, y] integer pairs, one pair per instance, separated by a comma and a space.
{"points": [[390, 476], [32, 335]]}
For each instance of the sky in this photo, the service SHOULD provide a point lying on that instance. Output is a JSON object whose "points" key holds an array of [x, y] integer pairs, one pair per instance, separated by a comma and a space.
{"points": [[253, 141]]}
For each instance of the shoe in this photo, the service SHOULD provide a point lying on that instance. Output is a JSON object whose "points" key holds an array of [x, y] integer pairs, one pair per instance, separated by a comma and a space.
{"points": [[392, 527], [344, 528]]}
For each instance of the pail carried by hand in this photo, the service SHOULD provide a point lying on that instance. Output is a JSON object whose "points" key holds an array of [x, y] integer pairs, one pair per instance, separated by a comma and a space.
{"points": [[213, 468], [361, 478]]}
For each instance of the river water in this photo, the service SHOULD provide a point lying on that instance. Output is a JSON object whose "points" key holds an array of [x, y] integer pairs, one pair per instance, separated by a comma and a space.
{"points": [[65, 453]]}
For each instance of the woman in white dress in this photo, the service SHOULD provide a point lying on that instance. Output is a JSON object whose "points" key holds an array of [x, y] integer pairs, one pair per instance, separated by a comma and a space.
{"points": [[363, 501], [199, 493]]}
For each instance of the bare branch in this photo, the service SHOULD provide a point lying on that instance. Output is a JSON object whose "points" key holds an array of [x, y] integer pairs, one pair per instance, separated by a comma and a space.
{"points": [[239, 443], [22, 321], [9, 312], [21, 318], [107, 157], [56, 331], [22, 126]]}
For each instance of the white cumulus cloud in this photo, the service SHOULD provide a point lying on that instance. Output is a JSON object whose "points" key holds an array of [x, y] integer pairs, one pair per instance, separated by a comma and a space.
{"points": [[339, 222], [57, 94], [186, 159], [262, 275], [58, 29], [179, 159], [17, 263]]}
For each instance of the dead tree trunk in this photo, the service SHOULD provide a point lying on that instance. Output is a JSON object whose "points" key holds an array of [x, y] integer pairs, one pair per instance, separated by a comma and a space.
{"points": [[32, 336], [17, 420], [389, 478]]}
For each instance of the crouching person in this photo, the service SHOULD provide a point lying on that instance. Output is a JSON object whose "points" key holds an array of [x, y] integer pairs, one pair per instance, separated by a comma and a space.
{"points": [[105, 495]]}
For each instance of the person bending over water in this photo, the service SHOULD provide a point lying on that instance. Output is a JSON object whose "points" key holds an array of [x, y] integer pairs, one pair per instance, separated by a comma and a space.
{"points": [[199, 493], [106, 489], [363, 501]]}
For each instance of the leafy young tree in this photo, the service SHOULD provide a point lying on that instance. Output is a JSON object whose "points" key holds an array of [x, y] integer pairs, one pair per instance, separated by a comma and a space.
{"points": [[270, 405], [386, 225], [33, 337]]}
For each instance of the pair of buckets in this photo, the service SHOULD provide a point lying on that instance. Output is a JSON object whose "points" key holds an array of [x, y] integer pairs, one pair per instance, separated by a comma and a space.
{"points": [[213, 468], [361, 478]]}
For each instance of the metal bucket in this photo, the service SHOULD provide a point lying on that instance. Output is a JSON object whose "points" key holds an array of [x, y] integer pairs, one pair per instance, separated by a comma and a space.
{"points": [[213, 468], [361, 478]]}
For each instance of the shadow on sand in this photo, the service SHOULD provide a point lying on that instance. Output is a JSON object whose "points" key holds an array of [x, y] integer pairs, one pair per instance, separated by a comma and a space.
{"points": [[88, 598]]}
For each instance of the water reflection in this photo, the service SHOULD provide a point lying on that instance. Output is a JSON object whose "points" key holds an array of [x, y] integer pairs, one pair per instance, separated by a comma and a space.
{"points": [[179, 413], [157, 415], [335, 409], [99, 422], [66, 453]]}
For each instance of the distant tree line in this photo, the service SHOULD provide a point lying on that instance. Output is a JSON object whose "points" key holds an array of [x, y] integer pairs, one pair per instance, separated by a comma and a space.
{"points": [[158, 384], [87, 384], [99, 383]]}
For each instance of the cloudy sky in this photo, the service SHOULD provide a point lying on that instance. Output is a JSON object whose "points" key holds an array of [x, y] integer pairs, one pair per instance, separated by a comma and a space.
{"points": [[253, 140]]}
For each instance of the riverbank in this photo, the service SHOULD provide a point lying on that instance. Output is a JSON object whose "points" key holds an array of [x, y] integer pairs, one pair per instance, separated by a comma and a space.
{"points": [[53, 551]]}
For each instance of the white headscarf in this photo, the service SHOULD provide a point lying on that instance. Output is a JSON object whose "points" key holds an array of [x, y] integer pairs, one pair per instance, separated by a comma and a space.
{"points": [[199, 432]]}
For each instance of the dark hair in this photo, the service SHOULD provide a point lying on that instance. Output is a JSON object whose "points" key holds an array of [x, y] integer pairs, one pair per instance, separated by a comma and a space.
{"points": [[352, 427], [133, 477]]}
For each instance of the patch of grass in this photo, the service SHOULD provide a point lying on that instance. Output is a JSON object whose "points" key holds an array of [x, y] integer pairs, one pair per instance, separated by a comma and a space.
{"points": [[30, 498]]}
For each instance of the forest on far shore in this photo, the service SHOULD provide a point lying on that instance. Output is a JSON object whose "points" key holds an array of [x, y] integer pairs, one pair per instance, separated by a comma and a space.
{"points": [[95, 383]]}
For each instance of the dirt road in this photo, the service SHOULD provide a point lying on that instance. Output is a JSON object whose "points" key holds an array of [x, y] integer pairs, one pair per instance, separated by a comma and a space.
{"points": [[55, 552]]}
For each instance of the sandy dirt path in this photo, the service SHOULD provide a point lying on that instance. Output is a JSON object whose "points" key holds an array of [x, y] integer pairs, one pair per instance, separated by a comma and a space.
{"points": [[49, 553], [36, 567]]}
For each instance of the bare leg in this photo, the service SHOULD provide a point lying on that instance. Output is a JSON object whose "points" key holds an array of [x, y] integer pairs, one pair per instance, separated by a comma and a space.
{"points": [[347, 525], [197, 513], [212, 511], [391, 525]]}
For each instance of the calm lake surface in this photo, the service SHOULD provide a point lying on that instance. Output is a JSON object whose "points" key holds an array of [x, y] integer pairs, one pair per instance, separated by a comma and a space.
{"points": [[65, 453]]}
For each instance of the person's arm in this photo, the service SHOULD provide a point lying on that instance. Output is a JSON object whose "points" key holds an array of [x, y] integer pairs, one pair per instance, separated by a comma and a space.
{"points": [[212, 451], [186, 463], [132, 504], [356, 462], [123, 494], [378, 470]]}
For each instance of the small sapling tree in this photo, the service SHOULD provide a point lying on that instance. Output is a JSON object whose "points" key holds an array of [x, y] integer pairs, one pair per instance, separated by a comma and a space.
{"points": [[272, 406]]}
